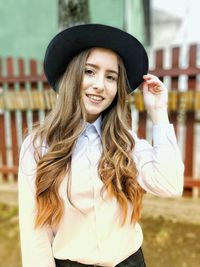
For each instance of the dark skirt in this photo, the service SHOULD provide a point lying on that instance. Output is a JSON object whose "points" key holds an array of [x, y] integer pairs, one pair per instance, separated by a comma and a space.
{"points": [[135, 260]]}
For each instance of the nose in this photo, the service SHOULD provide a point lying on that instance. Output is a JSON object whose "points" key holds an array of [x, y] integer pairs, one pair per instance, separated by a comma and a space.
{"points": [[99, 83]]}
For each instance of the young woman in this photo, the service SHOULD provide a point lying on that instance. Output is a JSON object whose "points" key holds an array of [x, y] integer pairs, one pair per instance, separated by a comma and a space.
{"points": [[83, 172]]}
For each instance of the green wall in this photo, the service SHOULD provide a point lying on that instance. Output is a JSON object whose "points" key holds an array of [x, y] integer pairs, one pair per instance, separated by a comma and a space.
{"points": [[108, 12], [26, 27], [126, 15]]}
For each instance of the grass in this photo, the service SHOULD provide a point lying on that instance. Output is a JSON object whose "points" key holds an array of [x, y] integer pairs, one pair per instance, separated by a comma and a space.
{"points": [[9, 237]]}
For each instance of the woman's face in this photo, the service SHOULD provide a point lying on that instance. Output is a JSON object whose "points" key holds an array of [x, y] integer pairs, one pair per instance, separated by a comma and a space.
{"points": [[99, 83]]}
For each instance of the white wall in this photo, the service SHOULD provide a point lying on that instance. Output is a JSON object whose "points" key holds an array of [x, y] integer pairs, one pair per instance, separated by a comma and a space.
{"points": [[175, 22]]}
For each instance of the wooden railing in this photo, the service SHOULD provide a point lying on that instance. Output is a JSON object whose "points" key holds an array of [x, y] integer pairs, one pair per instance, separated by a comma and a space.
{"points": [[25, 97]]}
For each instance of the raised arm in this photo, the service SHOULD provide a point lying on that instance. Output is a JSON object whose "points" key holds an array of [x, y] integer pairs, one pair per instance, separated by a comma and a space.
{"points": [[160, 166]]}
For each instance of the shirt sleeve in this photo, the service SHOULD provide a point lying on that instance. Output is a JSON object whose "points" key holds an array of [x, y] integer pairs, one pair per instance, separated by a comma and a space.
{"points": [[160, 167], [35, 243]]}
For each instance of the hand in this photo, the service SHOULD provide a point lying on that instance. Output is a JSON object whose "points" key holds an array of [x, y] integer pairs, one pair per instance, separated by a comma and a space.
{"points": [[155, 99], [154, 92]]}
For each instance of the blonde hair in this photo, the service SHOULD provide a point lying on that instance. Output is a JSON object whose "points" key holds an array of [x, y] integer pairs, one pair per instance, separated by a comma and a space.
{"points": [[59, 132]]}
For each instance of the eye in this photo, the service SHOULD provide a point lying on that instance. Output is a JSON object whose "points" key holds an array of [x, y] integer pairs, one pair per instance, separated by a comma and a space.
{"points": [[89, 72], [111, 78]]}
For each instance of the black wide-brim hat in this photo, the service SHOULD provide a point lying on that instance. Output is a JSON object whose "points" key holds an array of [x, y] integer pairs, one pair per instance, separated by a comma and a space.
{"points": [[68, 43]]}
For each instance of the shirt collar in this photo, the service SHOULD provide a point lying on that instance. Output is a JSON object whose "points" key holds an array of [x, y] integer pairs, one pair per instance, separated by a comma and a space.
{"points": [[96, 124]]}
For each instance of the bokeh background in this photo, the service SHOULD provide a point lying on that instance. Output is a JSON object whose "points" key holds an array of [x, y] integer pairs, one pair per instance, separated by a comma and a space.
{"points": [[169, 30]]}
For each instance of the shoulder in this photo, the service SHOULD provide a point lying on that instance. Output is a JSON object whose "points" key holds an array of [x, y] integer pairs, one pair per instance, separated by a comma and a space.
{"points": [[30, 148], [27, 145], [28, 160], [30, 145]]}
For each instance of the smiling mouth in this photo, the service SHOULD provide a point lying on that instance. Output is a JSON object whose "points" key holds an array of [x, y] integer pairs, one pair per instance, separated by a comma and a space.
{"points": [[95, 97]]}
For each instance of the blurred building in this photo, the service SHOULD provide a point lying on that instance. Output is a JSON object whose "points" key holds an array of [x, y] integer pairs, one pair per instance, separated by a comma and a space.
{"points": [[27, 26], [175, 22]]}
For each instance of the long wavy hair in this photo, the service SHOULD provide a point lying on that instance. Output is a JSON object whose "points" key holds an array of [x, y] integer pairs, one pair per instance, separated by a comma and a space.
{"points": [[59, 132]]}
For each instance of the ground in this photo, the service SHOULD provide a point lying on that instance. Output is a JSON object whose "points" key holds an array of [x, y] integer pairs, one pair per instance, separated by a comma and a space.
{"points": [[171, 232], [171, 244]]}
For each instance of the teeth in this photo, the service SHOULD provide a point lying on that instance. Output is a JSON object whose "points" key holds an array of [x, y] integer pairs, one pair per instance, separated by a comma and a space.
{"points": [[95, 97]]}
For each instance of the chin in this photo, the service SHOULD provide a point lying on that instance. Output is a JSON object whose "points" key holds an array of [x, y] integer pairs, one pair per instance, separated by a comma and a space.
{"points": [[93, 113]]}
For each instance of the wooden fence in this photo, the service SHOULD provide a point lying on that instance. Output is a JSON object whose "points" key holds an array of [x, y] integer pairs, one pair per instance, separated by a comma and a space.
{"points": [[25, 98]]}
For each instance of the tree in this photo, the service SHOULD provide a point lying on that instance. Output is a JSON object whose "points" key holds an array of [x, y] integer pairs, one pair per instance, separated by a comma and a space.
{"points": [[72, 12]]}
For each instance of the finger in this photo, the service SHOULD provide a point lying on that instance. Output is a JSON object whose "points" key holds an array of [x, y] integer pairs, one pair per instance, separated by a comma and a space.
{"points": [[158, 88], [155, 93], [147, 76], [150, 76], [153, 90], [154, 81], [145, 88]]}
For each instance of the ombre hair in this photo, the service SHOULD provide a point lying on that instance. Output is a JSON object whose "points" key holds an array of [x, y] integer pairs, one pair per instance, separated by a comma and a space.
{"points": [[59, 132]]}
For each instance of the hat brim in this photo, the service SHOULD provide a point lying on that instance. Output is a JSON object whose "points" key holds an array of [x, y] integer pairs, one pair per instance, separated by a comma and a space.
{"points": [[68, 43]]}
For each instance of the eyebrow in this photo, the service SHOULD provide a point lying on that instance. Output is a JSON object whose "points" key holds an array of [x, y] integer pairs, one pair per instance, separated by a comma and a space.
{"points": [[97, 67]]}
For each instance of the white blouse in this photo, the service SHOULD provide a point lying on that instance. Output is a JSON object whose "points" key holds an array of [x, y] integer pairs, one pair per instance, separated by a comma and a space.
{"points": [[91, 232]]}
